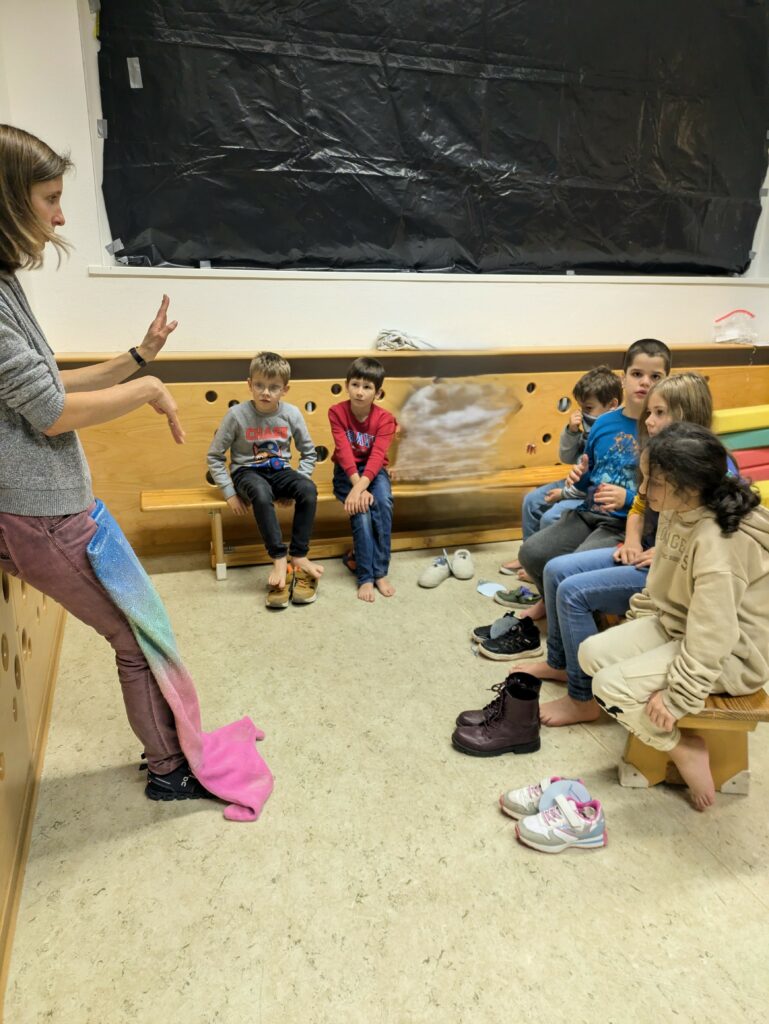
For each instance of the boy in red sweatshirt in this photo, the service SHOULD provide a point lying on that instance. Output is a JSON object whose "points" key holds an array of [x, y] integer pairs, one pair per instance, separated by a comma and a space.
{"points": [[362, 435]]}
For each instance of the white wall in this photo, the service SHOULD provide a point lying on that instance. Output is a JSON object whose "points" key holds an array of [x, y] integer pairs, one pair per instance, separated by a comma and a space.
{"points": [[48, 86]]}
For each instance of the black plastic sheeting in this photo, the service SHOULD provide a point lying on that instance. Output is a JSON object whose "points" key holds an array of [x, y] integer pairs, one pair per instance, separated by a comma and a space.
{"points": [[539, 135]]}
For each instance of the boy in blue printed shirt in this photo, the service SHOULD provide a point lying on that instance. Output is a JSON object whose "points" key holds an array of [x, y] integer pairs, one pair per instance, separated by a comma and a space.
{"points": [[606, 474], [596, 392]]}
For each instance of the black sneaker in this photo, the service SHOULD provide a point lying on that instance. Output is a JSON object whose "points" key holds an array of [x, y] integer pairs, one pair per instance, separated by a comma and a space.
{"points": [[481, 633], [180, 784], [518, 644]]}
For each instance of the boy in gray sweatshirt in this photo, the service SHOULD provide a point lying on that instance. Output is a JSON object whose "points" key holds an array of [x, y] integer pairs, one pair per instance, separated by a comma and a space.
{"points": [[258, 436]]}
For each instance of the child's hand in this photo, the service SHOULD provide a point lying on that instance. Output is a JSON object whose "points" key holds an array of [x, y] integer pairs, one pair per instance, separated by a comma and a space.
{"points": [[578, 470], [628, 554], [657, 711], [575, 422], [646, 559], [358, 501], [610, 497], [531, 449], [237, 505], [555, 495]]}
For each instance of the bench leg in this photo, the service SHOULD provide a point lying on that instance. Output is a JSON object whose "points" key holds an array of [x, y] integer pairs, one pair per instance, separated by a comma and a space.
{"points": [[217, 540], [643, 766]]}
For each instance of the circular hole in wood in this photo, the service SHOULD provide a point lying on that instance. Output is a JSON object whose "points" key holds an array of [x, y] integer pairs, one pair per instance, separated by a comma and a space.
{"points": [[24, 643], [564, 404], [546, 438], [17, 672], [381, 395], [211, 396], [322, 452], [23, 591], [336, 389], [4, 653], [210, 479], [2, 766], [6, 587], [232, 401], [531, 387], [37, 612], [15, 710], [310, 406]]}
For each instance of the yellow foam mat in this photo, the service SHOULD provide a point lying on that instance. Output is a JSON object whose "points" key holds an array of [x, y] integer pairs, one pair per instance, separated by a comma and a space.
{"points": [[749, 417], [763, 490]]}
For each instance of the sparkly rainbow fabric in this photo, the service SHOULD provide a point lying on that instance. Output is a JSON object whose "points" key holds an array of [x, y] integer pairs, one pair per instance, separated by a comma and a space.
{"points": [[226, 760]]}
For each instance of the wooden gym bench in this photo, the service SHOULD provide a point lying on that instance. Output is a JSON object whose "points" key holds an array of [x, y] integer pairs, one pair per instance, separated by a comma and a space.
{"points": [[224, 554], [724, 724]]}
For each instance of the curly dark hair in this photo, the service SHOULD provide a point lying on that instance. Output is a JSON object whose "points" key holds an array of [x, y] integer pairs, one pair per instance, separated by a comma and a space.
{"points": [[692, 458]]}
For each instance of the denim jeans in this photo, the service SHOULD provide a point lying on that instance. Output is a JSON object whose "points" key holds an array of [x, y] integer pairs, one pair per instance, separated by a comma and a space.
{"points": [[576, 530], [370, 530], [536, 514], [576, 586]]}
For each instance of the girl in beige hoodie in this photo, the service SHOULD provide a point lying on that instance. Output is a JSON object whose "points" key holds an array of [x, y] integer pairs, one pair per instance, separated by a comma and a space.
{"points": [[701, 625]]}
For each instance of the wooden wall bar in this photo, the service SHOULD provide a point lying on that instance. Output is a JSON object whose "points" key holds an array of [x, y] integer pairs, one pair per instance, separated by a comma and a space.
{"points": [[31, 628], [138, 454]]}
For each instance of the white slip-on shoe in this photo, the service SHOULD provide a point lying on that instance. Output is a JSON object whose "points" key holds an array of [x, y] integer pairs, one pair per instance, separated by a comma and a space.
{"points": [[462, 564], [438, 571]]}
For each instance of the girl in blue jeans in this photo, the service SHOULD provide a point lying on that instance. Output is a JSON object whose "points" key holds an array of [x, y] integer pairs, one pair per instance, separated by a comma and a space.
{"points": [[576, 586]]}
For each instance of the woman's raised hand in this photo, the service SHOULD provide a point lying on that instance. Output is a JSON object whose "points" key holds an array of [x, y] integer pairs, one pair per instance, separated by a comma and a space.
{"points": [[166, 406], [157, 332]]}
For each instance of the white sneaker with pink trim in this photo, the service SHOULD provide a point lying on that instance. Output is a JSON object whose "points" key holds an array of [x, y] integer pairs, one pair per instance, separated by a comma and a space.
{"points": [[519, 803], [567, 823]]}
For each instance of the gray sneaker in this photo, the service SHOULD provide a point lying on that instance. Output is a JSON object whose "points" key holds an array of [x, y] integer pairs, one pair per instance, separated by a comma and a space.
{"points": [[518, 597]]}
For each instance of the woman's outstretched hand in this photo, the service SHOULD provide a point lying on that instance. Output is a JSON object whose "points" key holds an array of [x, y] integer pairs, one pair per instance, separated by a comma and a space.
{"points": [[166, 406], [157, 332]]}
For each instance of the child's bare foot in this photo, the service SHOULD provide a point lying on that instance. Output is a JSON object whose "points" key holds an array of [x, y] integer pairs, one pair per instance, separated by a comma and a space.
{"points": [[511, 567], [567, 711], [534, 612], [366, 592], [524, 576], [311, 567], [385, 588], [692, 760], [541, 670], [277, 577]]}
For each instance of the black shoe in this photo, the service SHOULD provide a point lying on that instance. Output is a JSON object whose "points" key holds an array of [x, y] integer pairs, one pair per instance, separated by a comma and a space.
{"points": [[180, 784], [481, 633], [517, 645]]}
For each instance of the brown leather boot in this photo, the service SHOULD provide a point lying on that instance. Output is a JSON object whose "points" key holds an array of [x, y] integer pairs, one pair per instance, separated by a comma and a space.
{"points": [[510, 723], [479, 717]]}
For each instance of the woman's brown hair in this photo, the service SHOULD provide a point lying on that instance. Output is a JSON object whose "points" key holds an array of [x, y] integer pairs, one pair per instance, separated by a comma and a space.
{"points": [[25, 161]]}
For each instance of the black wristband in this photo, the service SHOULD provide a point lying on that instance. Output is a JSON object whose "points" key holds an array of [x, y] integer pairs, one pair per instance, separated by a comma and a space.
{"points": [[135, 353]]}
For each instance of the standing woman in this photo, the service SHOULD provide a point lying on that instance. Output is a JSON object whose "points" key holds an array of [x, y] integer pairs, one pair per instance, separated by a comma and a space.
{"points": [[45, 484]]}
